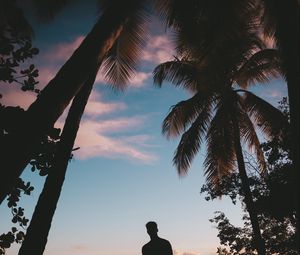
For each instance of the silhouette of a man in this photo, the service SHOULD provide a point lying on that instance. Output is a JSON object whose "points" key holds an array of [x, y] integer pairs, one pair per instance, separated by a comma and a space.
{"points": [[157, 245]]}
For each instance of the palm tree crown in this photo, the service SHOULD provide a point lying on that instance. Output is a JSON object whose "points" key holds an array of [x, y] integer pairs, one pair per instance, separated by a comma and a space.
{"points": [[218, 102]]}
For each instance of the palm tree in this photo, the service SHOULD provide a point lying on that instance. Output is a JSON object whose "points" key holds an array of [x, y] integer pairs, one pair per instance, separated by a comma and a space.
{"points": [[118, 66], [220, 114], [37, 232], [42, 114]]}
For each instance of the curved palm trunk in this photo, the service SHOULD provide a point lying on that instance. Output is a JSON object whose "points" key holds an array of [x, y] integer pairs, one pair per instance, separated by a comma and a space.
{"points": [[259, 242], [37, 232], [43, 113]]}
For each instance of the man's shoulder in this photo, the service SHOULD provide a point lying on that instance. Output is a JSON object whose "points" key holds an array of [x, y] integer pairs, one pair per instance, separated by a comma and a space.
{"points": [[146, 245], [164, 240]]}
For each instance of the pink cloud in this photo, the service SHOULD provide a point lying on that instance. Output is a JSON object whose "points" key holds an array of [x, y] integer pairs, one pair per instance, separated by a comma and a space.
{"points": [[95, 107], [45, 75], [137, 80], [79, 247], [158, 49], [14, 96], [62, 51], [94, 141], [175, 252], [110, 138], [59, 53]]}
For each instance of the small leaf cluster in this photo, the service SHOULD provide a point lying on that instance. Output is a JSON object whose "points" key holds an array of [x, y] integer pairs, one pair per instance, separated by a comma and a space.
{"points": [[43, 157], [15, 235], [14, 196], [7, 239], [18, 216], [14, 51]]}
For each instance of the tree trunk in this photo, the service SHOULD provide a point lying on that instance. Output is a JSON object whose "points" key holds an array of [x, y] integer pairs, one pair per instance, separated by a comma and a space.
{"points": [[51, 103], [258, 241], [37, 232], [286, 14], [288, 38]]}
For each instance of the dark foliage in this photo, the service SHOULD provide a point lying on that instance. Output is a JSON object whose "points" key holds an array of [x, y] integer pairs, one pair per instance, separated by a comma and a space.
{"points": [[272, 195], [15, 51]]}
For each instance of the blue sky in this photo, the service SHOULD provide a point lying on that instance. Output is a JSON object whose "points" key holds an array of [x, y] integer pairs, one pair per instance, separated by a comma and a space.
{"points": [[122, 176]]}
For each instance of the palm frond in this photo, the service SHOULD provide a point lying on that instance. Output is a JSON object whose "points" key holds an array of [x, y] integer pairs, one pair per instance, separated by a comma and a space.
{"points": [[260, 67], [200, 26], [180, 73], [220, 157], [269, 119], [122, 60], [249, 135], [268, 17], [191, 140], [183, 114]]}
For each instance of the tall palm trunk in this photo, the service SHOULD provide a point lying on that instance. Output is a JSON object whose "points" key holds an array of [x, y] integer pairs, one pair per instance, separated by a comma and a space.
{"points": [[43, 113], [37, 232], [259, 242], [286, 15], [288, 38]]}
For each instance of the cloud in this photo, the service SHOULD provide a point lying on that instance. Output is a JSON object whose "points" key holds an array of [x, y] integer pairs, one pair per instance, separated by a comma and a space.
{"points": [[137, 80], [158, 49], [175, 252], [156, 52], [111, 137], [62, 51], [101, 138], [45, 75], [14, 96], [79, 247], [95, 107]]}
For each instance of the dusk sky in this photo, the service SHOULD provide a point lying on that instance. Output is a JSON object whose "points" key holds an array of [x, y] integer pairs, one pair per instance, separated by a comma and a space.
{"points": [[122, 176]]}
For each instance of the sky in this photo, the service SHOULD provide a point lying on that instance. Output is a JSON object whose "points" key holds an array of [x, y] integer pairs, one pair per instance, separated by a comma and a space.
{"points": [[122, 176]]}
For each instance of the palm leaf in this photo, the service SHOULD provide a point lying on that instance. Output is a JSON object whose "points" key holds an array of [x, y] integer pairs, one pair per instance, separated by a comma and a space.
{"points": [[269, 119], [249, 135], [191, 140], [183, 114], [180, 73], [220, 157], [122, 60], [260, 67]]}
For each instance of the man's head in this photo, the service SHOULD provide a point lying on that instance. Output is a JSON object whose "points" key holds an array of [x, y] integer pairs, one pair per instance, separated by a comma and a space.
{"points": [[152, 229]]}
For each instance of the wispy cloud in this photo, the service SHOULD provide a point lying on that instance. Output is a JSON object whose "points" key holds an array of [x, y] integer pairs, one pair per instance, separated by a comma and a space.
{"points": [[137, 80], [96, 106], [62, 51], [51, 59], [101, 138], [158, 49], [113, 137], [175, 252], [14, 96], [79, 247]]}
